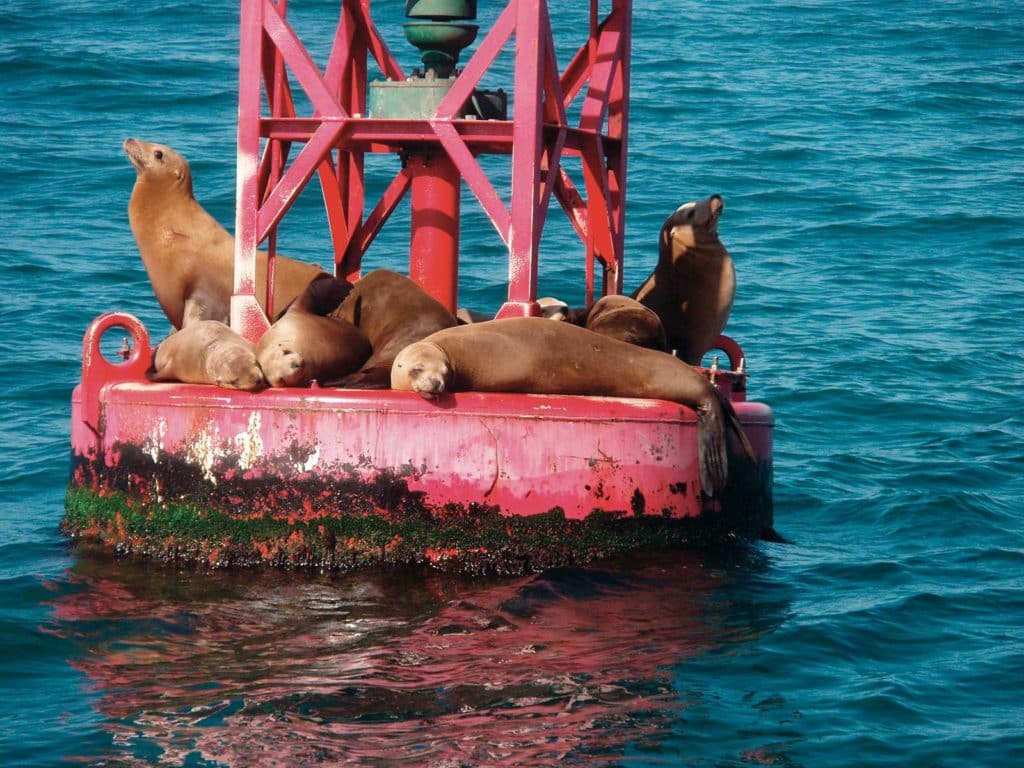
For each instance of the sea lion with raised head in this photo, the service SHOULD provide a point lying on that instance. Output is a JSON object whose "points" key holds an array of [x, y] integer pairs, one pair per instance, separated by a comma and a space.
{"points": [[694, 283], [536, 356], [393, 312], [207, 352], [305, 344], [189, 256]]}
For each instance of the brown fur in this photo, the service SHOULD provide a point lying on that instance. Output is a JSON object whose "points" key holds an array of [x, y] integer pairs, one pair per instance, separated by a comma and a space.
{"points": [[188, 255], [393, 312], [207, 352], [693, 286], [533, 355], [550, 307], [303, 344], [625, 319]]}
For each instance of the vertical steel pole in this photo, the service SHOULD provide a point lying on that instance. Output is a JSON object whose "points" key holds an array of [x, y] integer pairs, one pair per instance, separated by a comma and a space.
{"points": [[618, 128], [527, 147], [434, 241], [246, 316], [352, 96]]}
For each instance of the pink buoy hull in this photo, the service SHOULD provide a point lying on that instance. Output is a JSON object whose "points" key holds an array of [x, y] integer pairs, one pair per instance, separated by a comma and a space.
{"points": [[301, 457]]}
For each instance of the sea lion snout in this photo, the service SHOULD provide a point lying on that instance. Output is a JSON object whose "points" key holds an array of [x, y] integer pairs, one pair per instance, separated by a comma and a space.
{"points": [[422, 368], [136, 153], [249, 380], [429, 384], [428, 378], [702, 214], [283, 367], [235, 365], [156, 161]]}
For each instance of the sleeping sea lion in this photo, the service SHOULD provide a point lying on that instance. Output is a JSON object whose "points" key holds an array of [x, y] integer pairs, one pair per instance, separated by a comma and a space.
{"points": [[625, 319], [188, 255], [393, 312], [536, 356], [694, 283], [207, 352], [550, 307], [303, 344]]}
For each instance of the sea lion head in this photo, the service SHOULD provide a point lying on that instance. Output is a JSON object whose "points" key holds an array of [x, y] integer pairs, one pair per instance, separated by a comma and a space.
{"points": [[691, 223], [552, 308], [282, 366], [158, 165], [233, 365], [422, 367]]}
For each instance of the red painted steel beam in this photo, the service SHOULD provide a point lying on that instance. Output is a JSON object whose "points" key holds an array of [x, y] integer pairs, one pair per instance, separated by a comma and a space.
{"points": [[537, 137], [487, 51], [351, 163], [339, 59], [387, 63], [526, 220], [349, 269], [334, 205], [474, 175], [335, 176], [286, 191], [618, 129], [389, 136], [300, 63], [246, 316], [554, 113], [281, 103], [434, 226], [601, 211]]}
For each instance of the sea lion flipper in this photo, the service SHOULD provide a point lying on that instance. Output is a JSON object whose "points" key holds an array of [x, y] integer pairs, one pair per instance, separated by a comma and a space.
{"points": [[713, 418], [201, 306], [712, 459], [733, 422], [375, 377], [323, 294], [153, 373]]}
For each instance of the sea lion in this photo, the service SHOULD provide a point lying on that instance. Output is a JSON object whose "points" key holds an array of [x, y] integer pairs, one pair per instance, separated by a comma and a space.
{"points": [[533, 355], [694, 283], [207, 352], [189, 256], [466, 315], [304, 344], [625, 319], [550, 307], [393, 312]]}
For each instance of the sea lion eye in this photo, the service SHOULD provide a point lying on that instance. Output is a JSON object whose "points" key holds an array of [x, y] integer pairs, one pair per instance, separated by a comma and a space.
{"points": [[158, 154], [416, 370]]}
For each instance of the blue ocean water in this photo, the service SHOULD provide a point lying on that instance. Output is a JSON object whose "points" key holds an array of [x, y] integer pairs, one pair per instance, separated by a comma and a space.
{"points": [[871, 155]]}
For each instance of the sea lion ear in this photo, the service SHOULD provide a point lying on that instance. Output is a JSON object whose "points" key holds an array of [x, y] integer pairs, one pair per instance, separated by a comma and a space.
{"points": [[666, 234]]}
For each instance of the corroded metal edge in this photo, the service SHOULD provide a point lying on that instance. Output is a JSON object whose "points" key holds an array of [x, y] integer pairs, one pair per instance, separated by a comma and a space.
{"points": [[339, 521]]}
